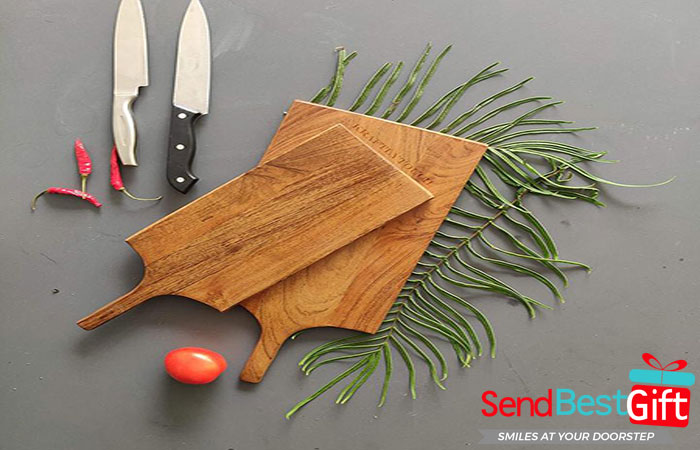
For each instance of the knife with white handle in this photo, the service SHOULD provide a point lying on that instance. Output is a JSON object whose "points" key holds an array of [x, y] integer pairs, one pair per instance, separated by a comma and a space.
{"points": [[130, 73], [190, 95]]}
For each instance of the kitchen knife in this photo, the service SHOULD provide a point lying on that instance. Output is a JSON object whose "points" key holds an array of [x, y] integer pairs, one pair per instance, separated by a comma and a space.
{"points": [[130, 73], [190, 95]]}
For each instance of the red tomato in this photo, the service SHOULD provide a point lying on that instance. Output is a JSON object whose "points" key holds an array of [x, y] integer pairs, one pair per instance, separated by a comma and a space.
{"points": [[194, 365]]}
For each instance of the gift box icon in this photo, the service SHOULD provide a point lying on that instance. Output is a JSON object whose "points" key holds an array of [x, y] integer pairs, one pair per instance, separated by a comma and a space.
{"points": [[662, 374], [664, 398]]}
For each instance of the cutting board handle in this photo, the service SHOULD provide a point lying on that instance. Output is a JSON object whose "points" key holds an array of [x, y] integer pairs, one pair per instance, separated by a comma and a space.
{"points": [[263, 354], [136, 296]]}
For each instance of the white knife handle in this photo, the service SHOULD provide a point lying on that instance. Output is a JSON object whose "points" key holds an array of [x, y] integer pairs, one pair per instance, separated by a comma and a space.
{"points": [[124, 129]]}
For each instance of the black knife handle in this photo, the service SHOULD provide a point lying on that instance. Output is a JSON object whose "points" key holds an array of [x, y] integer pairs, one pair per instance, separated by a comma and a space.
{"points": [[181, 149]]}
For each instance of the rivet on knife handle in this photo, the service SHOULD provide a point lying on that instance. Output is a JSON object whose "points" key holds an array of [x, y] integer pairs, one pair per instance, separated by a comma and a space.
{"points": [[181, 149]]}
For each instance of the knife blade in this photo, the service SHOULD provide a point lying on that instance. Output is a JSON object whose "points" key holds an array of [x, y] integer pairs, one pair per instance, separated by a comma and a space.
{"points": [[130, 73], [190, 95]]}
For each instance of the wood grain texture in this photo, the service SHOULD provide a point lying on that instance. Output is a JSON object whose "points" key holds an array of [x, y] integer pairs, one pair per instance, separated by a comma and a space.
{"points": [[355, 286], [311, 199]]}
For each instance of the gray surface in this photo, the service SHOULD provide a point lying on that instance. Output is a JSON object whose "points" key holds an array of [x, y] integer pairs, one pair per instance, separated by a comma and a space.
{"points": [[630, 67]]}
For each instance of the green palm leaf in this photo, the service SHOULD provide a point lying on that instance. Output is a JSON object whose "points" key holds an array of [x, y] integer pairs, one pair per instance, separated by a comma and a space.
{"points": [[475, 247]]}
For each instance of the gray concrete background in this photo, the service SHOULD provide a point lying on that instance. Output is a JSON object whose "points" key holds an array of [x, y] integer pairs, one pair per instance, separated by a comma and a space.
{"points": [[631, 67]]}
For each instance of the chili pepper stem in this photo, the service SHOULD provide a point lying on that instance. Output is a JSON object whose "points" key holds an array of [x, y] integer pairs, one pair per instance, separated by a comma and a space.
{"points": [[116, 178], [83, 183], [36, 197], [133, 197]]}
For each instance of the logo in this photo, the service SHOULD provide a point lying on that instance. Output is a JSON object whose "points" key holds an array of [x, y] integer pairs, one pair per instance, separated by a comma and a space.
{"points": [[660, 401], [557, 402], [660, 398]]}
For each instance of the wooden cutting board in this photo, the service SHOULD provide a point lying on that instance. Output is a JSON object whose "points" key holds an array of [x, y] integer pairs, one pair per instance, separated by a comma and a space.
{"points": [[355, 286], [316, 196]]}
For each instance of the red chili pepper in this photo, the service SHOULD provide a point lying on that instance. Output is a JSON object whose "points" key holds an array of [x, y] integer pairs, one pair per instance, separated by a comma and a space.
{"points": [[116, 178], [66, 191], [84, 163]]}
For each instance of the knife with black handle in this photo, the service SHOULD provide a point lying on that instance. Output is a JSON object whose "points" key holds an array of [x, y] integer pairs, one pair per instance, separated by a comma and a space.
{"points": [[190, 95], [181, 149]]}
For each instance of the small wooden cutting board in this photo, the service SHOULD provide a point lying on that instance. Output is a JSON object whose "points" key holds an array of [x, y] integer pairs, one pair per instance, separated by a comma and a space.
{"points": [[355, 286], [311, 199]]}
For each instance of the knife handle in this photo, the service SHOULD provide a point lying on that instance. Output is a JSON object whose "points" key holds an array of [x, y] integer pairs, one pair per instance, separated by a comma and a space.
{"points": [[181, 149], [124, 128]]}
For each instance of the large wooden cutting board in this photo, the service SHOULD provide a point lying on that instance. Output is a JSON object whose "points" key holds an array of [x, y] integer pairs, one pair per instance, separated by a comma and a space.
{"points": [[316, 196], [355, 286]]}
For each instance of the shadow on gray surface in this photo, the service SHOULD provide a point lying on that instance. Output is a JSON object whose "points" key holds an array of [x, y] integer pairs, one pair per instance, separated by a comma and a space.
{"points": [[168, 312], [183, 405]]}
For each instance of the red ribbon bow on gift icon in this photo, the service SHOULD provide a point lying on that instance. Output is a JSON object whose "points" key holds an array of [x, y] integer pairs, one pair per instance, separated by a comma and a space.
{"points": [[653, 362]]}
